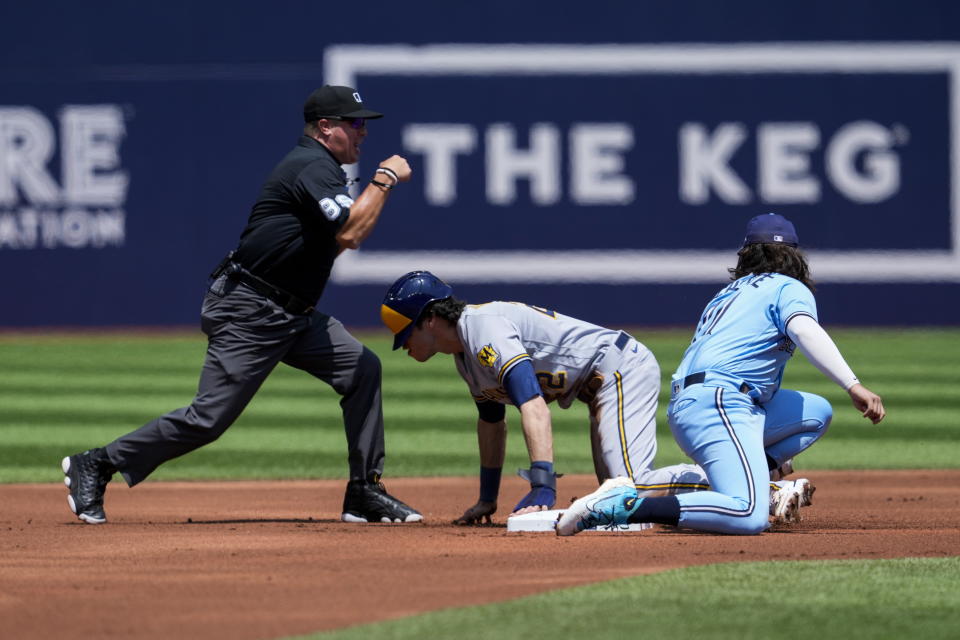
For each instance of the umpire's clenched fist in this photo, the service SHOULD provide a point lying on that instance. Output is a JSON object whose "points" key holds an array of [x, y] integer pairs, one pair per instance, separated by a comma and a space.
{"points": [[399, 166]]}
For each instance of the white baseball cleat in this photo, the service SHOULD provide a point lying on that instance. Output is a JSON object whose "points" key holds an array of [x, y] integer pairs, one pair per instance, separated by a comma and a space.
{"points": [[609, 506], [806, 489], [785, 504]]}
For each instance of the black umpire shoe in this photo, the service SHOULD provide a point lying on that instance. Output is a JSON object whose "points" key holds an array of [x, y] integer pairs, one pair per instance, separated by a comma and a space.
{"points": [[87, 475], [370, 502]]}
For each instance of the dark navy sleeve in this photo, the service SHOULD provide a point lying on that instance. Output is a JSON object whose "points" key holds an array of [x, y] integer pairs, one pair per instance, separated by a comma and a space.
{"points": [[521, 382]]}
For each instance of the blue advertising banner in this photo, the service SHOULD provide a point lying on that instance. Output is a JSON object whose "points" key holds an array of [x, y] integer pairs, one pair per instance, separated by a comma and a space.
{"points": [[591, 164], [118, 195], [609, 181]]}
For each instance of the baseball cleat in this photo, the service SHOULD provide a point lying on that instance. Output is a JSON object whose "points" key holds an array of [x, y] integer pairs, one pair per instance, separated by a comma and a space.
{"points": [[370, 502], [806, 489], [785, 504], [86, 476], [610, 505], [803, 485]]}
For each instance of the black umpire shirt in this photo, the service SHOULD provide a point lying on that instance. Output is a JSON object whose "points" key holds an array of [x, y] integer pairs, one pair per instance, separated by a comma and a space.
{"points": [[290, 238]]}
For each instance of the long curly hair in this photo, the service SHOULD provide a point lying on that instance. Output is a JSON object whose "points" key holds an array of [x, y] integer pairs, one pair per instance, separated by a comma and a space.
{"points": [[772, 258]]}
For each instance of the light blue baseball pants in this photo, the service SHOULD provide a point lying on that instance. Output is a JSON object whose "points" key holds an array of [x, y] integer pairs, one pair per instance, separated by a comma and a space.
{"points": [[726, 433]]}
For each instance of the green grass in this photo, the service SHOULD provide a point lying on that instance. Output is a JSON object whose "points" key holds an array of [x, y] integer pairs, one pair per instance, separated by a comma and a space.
{"points": [[906, 598], [63, 393], [60, 394]]}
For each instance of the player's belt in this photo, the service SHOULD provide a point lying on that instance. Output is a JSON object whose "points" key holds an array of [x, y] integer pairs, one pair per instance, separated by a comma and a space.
{"points": [[698, 378]]}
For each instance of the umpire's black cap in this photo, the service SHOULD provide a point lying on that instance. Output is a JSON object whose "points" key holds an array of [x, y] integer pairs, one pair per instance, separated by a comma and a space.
{"points": [[336, 102]]}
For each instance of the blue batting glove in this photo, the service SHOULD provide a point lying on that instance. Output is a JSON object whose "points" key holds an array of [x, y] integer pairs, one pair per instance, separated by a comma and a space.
{"points": [[538, 497], [543, 485]]}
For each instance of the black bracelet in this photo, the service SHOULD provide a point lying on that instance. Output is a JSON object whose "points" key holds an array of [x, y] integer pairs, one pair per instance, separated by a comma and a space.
{"points": [[382, 185]]}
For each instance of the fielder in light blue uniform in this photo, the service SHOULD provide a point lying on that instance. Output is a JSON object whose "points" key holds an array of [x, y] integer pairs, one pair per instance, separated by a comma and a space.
{"points": [[727, 405], [741, 348]]}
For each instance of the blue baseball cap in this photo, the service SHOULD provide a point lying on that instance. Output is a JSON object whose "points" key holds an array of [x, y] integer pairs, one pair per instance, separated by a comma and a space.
{"points": [[407, 298], [771, 228]]}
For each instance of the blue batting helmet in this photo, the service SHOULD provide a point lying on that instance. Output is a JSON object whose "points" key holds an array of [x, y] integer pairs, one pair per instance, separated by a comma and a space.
{"points": [[406, 300]]}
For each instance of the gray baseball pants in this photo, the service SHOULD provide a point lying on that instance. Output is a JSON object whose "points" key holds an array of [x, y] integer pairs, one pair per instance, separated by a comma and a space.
{"points": [[248, 335], [623, 426]]}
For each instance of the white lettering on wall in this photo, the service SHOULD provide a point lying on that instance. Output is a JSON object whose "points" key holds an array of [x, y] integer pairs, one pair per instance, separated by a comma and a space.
{"points": [[860, 162], [881, 176], [26, 145], [86, 211], [783, 152], [795, 162], [90, 154], [597, 165], [540, 164], [440, 144], [596, 159], [704, 163], [73, 228]]}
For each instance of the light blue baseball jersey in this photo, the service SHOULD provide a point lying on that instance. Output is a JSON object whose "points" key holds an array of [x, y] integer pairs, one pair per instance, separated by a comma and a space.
{"points": [[741, 336]]}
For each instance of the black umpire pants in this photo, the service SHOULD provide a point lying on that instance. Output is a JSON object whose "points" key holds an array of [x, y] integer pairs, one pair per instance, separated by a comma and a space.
{"points": [[248, 335]]}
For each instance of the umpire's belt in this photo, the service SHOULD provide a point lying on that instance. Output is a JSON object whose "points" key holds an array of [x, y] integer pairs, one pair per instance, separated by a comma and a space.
{"points": [[287, 301], [700, 378], [590, 387]]}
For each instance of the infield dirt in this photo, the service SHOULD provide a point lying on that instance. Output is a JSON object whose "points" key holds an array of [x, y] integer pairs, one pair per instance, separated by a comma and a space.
{"points": [[271, 559]]}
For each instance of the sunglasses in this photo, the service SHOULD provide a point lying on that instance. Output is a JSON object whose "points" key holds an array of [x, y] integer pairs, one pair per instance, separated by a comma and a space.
{"points": [[356, 123]]}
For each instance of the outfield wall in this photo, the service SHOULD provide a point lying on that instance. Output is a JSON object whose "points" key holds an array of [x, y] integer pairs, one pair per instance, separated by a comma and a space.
{"points": [[603, 165]]}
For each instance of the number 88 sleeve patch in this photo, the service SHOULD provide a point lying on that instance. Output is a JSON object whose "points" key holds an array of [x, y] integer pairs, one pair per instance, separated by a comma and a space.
{"points": [[333, 207], [331, 210]]}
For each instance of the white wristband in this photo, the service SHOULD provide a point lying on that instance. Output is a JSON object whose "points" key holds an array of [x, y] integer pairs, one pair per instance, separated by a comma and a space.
{"points": [[389, 172]]}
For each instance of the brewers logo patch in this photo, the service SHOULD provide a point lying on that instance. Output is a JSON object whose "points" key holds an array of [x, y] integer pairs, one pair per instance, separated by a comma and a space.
{"points": [[487, 356]]}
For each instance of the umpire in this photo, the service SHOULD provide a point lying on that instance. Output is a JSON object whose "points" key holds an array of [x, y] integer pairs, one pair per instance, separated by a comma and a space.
{"points": [[259, 311]]}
